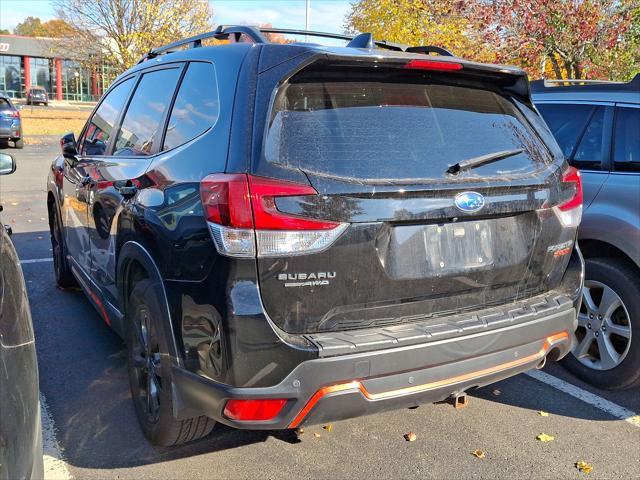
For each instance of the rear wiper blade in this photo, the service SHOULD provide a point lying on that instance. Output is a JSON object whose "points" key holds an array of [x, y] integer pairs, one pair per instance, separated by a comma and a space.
{"points": [[482, 160]]}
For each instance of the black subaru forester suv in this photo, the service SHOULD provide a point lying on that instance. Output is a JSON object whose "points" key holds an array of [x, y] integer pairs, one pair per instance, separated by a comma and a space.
{"points": [[287, 234]]}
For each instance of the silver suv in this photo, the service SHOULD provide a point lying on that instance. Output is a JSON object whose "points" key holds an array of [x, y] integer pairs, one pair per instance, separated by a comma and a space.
{"points": [[597, 125]]}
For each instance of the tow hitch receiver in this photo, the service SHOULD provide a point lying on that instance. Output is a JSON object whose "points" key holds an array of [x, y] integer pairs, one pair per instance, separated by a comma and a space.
{"points": [[459, 402]]}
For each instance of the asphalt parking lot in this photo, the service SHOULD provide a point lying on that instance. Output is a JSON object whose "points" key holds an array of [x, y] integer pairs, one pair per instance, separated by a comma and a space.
{"points": [[84, 381]]}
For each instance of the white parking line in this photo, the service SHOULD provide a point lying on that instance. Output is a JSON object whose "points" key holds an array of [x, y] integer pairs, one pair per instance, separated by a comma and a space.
{"points": [[36, 260], [587, 397], [55, 468]]}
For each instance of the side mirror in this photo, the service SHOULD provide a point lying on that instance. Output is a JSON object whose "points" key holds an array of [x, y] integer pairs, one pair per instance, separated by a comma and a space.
{"points": [[68, 146], [7, 164]]}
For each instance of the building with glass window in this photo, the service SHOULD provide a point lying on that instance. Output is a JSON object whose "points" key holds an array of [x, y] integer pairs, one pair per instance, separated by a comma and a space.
{"points": [[28, 61]]}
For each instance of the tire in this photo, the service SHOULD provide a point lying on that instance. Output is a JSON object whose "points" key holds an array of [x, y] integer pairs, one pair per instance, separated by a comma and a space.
{"points": [[18, 143], [61, 269], [149, 368], [621, 369]]}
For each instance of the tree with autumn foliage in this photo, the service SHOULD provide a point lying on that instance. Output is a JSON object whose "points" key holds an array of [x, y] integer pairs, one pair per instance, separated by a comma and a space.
{"points": [[444, 23], [120, 32], [34, 27], [552, 38], [569, 38]]}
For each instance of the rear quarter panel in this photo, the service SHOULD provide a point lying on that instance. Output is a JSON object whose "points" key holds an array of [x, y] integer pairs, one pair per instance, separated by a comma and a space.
{"points": [[614, 216]]}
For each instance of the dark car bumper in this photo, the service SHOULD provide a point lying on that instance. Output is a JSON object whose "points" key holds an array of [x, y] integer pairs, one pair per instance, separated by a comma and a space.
{"points": [[10, 132], [334, 388]]}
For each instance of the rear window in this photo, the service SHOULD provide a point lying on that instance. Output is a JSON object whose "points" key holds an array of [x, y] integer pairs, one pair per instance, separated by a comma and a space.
{"points": [[385, 130], [5, 106]]}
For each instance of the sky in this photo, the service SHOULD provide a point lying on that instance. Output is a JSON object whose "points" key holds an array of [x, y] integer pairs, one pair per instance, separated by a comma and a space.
{"points": [[326, 15]]}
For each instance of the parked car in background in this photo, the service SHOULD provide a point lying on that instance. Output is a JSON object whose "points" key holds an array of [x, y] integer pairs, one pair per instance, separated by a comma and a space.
{"points": [[597, 125], [20, 429], [10, 122], [37, 95], [289, 234]]}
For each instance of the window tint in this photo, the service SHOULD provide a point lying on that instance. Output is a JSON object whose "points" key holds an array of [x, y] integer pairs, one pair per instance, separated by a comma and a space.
{"points": [[590, 152], [196, 107], [5, 106], [626, 140], [99, 129], [397, 130], [140, 128], [568, 123]]}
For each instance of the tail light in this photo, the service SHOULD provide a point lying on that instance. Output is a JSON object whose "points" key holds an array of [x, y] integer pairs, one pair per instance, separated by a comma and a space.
{"points": [[570, 212], [244, 221], [254, 410], [433, 65]]}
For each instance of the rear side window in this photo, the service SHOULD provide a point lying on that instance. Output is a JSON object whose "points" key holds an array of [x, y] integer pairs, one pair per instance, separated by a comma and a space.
{"points": [[626, 140], [5, 106], [396, 130], [196, 107], [141, 127], [101, 124], [590, 152], [579, 130]]}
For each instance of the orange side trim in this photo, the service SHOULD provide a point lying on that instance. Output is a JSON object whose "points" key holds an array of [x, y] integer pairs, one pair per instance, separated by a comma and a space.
{"points": [[353, 385], [318, 395]]}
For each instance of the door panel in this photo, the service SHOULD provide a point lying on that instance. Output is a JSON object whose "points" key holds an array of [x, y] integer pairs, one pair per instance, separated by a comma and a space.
{"points": [[74, 210], [137, 139]]}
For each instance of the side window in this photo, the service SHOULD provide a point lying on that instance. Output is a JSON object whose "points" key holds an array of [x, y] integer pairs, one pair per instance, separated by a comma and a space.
{"points": [[197, 105], [591, 150], [140, 129], [579, 130], [98, 131], [566, 122], [626, 140]]}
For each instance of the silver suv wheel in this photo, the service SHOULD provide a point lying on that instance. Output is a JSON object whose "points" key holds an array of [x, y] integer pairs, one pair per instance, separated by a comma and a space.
{"points": [[604, 329]]}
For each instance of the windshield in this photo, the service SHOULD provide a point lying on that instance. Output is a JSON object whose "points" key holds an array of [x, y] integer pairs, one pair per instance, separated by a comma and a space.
{"points": [[381, 130]]}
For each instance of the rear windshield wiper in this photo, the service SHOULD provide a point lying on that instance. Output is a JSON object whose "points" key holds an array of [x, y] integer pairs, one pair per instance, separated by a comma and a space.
{"points": [[482, 160]]}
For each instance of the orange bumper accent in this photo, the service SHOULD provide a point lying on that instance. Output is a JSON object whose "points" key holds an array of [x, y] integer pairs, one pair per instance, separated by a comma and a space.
{"points": [[357, 385]]}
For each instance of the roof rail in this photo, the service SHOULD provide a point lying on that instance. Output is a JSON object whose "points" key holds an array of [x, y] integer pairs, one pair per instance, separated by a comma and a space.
{"points": [[429, 49], [577, 85], [256, 34], [574, 81]]}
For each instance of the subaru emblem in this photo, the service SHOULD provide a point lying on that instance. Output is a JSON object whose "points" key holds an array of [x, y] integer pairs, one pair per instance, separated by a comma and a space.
{"points": [[469, 201]]}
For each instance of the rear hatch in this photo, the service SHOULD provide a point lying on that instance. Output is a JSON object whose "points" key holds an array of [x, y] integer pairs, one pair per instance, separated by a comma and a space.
{"points": [[8, 115], [436, 182]]}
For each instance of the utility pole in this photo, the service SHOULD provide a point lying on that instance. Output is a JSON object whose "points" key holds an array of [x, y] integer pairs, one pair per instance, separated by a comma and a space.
{"points": [[307, 19]]}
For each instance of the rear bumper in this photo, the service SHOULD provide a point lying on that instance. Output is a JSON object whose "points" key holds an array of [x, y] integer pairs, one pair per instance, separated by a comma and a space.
{"points": [[344, 386], [10, 132]]}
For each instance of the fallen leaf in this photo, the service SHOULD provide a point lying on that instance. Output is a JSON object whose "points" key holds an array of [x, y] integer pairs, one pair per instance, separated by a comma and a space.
{"points": [[543, 437], [299, 431], [543, 414], [328, 428], [317, 435], [584, 467], [497, 392], [410, 437], [478, 453], [635, 420]]}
